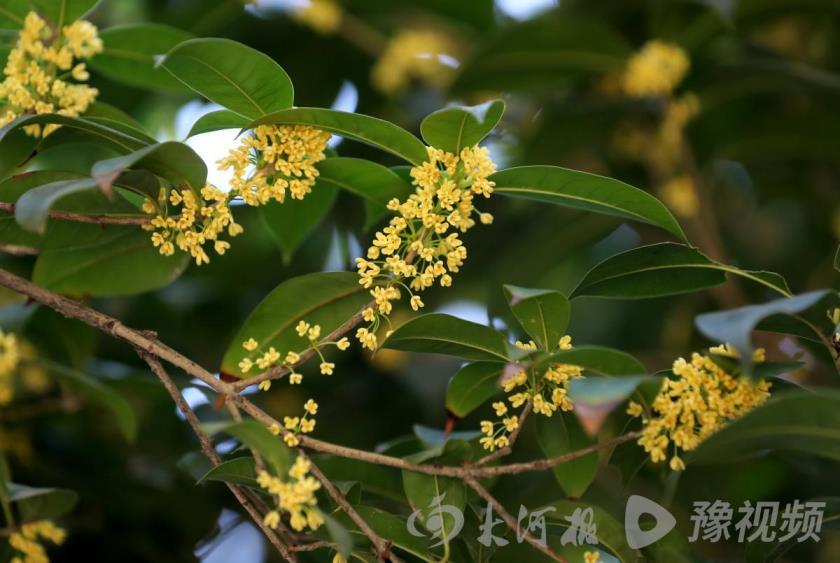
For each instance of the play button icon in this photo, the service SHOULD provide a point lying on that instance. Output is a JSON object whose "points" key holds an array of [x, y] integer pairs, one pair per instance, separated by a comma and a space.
{"points": [[636, 507]]}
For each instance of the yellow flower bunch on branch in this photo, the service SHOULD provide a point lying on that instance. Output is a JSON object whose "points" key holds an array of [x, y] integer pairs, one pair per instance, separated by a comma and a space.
{"points": [[9, 360], [414, 54], [272, 160], [294, 496], [38, 69], [695, 404], [547, 393], [418, 246], [27, 541]]}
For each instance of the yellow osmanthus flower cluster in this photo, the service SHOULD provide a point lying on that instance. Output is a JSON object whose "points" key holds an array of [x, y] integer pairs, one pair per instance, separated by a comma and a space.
{"points": [[272, 357], [27, 541], [415, 54], [37, 70], [9, 359], [294, 425], [196, 221], [417, 247], [323, 16], [273, 160], [655, 70], [294, 496], [547, 393], [695, 404]]}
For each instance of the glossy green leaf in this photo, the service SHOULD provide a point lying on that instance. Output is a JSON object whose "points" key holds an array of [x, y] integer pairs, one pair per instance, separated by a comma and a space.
{"points": [[16, 148], [471, 386], [456, 127], [559, 435], [123, 265], [589, 192], [542, 53], [663, 269], [328, 299], [609, 531], [389, 526], [61, 234], [374, 182], [33, 207], [370, 130], [176, 162], [292, 221], [599, 391], [216, 121], [41, 503], [111, 116], [129, 54], [543, 313], [117, 139], [64, 12], [735, 326], [97, 392], [232, 75], [273, 450], [437, 333], [339, 535], [798, 421], [239, 470], [598, 359]]}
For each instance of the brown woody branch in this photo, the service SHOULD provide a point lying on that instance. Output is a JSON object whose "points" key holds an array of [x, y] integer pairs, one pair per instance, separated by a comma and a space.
{"points": [[96, 218]]}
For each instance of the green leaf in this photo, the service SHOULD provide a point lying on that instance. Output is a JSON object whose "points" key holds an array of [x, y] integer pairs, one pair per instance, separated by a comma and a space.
{"points": [[604, 391], [216, 121], [176, 162], [15, 149], [97, 392], [61, 234], [374, 182], [253, 435], [33, 207], [735, 326], [328, 299], [232, 75], [12, 13], [542, 53], [663, 269], [129, 54], [471, 386], [239, 470], [339, 536], [799, 421], [589, 192], [543, 313], [389, 526], [437, 333], [598, 359], [292, 221], [609, 531], [110, 116], [65, 12], [454, 128], [119, 140], [41, 503], [123, 265], [370, 130], [559, 435]]}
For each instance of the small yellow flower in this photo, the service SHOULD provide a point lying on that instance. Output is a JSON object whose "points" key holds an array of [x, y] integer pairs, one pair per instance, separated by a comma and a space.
{"points": [[500, 408], [272, 519], [292, 358], [315, 332], [245, 365], [311, 407], [565, 343], [250, 344], [634, 409], [529, 346], [327, 368], [295, 378], [591, 556], [274, 429], [416, 303], [265, 385], [302, 328], [677, 464], [291, 440], [656, 69], [343, 344]]}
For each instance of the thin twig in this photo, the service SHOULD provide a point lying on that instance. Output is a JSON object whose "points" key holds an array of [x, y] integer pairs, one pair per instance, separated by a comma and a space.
{"points": [[19, 250], [502, 452], [207, 448], [96, 219], [508, 519]]}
